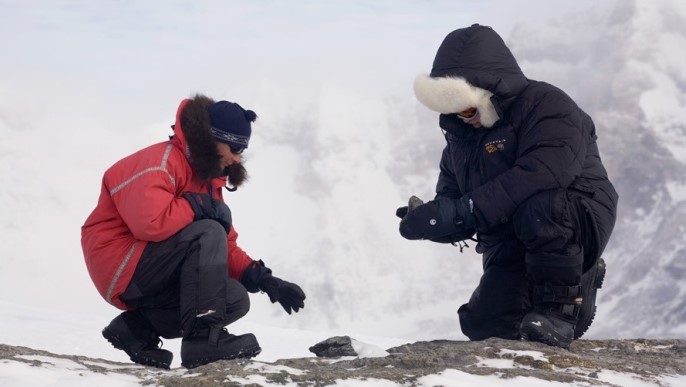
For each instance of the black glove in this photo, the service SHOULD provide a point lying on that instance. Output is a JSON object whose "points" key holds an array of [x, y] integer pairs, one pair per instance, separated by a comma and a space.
{"points": [[439, 219], [206, 207], [288, 294], [258, 277]]}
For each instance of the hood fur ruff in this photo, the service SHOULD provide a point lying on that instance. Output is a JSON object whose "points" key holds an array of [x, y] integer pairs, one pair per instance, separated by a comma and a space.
{"points": [[449, 95], [195, 124]]}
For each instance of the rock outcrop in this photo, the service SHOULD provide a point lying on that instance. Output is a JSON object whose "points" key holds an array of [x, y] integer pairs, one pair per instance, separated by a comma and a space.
{"points": [[588, 362]]}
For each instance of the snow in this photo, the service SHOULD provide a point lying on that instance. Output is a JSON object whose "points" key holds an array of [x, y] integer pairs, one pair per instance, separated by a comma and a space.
{"points": [[79, 334], [13, 373], [497, 363], [507, 359], [57, 373], [636, 380], [273, 369], [255, 380], [367, 350], [455, 378], [533, 354]]}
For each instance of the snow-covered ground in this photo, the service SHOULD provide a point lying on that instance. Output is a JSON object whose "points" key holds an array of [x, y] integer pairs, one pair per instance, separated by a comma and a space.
{"points": [[79, 334]]}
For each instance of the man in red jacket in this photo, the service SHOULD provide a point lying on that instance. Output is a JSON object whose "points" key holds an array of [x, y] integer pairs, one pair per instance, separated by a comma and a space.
{"points": [[160, 244]]}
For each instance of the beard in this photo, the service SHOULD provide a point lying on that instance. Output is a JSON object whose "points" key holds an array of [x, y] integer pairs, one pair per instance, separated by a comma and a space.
{"points": [[236, 174]]}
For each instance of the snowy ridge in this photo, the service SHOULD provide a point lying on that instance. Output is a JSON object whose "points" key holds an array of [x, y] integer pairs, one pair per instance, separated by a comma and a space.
{"points": [[492, 362]]}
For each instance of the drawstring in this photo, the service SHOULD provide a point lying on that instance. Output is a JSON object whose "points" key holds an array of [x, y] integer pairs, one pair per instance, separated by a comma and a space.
{"points": [[462, 244]]}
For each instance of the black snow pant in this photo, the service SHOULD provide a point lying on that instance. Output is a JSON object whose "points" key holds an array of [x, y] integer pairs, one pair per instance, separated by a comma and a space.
{"points": [[553, 238], [182, 283]]}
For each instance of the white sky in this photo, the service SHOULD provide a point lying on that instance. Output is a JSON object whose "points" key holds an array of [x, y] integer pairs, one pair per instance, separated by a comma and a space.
{"points": [[103, 58]]}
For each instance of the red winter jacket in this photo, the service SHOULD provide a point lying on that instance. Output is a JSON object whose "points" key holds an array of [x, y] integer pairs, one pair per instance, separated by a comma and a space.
{"points": [[140, 202]]}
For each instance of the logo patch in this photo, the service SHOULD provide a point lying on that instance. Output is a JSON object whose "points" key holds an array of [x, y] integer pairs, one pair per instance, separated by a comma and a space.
{"points": [[495, 146]]}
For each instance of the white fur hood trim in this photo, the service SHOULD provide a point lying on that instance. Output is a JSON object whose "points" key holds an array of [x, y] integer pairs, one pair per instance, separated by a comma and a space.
{"points": [[454, 94]]}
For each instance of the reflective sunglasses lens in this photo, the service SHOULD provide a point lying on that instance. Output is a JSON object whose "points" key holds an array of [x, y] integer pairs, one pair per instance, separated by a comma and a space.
{"points": [[236, 150], [467, 114]]}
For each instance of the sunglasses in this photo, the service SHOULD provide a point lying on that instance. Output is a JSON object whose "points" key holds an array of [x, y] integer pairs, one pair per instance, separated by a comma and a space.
{"points": [[468, 114], [236, 150]]}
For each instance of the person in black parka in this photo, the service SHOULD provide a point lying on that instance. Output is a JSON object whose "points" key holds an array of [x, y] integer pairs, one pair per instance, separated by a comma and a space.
{"points": [[521, 170]]}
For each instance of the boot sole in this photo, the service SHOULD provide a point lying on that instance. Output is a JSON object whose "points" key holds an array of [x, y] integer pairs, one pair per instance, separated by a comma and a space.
{"points": [[135, 357], [246, 353], [599, 277]]}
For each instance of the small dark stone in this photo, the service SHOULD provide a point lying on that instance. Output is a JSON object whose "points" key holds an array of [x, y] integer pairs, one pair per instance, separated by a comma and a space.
{"points": [[334, 347]]}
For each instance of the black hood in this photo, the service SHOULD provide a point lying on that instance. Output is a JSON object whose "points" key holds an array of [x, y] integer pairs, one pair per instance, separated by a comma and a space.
{"points": [[479, 55]]}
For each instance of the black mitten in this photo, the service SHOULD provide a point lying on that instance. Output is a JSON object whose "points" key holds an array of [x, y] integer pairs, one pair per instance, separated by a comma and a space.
{"points": [[433, 219], [206, 207], [443, 220]]}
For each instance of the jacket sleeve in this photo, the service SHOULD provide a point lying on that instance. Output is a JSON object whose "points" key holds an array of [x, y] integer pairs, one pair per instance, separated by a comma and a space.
{"points": [[149, 206], [447, 183], [238, 259], [550, 155]]}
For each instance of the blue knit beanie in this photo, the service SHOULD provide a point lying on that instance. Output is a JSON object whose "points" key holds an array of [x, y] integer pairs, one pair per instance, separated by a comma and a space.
{"points": [[231, 123]]}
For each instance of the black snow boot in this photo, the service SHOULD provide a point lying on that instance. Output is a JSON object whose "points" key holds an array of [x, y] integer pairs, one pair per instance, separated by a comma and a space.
{"points": [[554, 317], [591, 281], [547, 327], [197, 350], [128, 333]]}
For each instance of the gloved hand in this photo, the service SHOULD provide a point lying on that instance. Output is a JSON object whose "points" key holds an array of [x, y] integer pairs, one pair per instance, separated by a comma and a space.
{"points": [[439, 219], [206, 207], [289, 295], [258, 277]]}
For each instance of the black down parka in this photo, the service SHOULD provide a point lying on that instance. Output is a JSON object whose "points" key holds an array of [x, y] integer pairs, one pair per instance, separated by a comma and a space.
{"points": [[541, 141]]}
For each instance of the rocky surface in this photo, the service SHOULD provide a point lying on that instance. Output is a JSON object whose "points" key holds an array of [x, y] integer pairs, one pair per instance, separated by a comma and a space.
{"points": [[588, 362]]}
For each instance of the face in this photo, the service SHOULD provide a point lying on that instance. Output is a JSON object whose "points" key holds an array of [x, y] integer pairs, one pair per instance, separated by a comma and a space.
{"points": [[228, 157], [231, 165], [470, 116]]}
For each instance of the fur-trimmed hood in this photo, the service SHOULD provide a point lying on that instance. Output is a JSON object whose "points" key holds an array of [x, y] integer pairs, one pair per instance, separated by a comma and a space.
{"points": [[192, 131], [448, 95], [472, 68]]}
